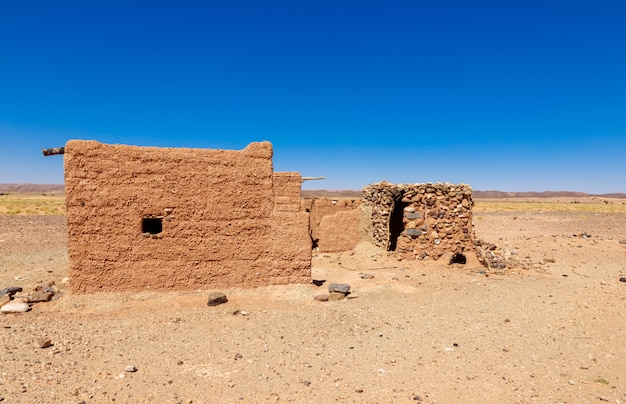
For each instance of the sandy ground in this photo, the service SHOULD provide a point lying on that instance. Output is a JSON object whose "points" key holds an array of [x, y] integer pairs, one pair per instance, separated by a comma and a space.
{"points": [[551, 331]]}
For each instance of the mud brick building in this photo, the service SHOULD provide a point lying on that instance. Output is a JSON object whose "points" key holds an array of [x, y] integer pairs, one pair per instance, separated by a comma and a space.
{"points": [[421, 221], [175, 218]]}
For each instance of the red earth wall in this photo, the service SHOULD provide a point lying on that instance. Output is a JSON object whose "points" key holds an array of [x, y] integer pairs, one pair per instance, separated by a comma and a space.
{"points": [[227, 220]]}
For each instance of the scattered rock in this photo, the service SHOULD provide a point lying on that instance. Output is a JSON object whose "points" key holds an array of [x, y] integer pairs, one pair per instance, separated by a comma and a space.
{"points": [[366, 276], [130, 369], [43, 343], [306, 382], [44, 286], [339, 287], [549, 260], [622, 279], [334, 296], [238, 356], [15, 307], [40, 296], [216, 298], [321, 298], [10, 291], [20, 299], [244, 313]]}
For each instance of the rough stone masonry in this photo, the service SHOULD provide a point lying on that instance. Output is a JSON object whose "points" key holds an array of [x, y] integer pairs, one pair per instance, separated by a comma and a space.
{"points": [[421, 221]]}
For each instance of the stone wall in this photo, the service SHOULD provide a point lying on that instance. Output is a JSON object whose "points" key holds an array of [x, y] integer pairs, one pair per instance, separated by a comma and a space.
{"points": [[421, 221], [154, 218]]}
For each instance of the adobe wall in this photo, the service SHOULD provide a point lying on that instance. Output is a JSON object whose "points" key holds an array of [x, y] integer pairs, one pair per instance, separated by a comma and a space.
{"points": [[291, 242], [341, 231], [223, 218], [334, 222], [421, 221]]}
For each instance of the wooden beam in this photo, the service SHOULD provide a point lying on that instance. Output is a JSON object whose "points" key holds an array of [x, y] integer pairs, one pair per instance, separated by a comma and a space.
{"points": [[53, 151], [312, 178]]}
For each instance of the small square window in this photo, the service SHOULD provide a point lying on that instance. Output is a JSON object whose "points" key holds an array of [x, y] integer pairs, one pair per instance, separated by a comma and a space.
{"points": [[152, 225]]}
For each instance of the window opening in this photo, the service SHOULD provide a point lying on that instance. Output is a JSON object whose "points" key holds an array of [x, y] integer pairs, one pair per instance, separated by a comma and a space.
{"points": [[152, 225]]}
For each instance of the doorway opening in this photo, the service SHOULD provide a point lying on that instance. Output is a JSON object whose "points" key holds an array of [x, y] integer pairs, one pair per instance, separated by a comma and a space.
{"points": [[396, 222]]}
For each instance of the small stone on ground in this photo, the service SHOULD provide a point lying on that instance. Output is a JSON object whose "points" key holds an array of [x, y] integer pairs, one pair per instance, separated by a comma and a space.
{"points": [[339, 287], [216, 298], [15, 307]]}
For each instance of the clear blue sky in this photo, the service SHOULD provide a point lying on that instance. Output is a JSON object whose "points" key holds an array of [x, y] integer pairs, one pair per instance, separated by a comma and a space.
{"points": [[514, 96]]}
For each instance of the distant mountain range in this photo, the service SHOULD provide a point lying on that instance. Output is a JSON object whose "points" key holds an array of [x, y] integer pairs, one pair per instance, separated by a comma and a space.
{"points": [[59, 189], [52, 189], [479, 194]]}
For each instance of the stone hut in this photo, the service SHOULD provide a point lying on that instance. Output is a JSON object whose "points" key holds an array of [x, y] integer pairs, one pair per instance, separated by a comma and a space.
{"points": [[176, 218], [421, 221]]}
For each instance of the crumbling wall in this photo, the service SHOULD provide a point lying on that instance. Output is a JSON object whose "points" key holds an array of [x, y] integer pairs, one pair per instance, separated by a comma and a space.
{"points": [[421, 221], [155, 218], [344, 234], [341, 231]]}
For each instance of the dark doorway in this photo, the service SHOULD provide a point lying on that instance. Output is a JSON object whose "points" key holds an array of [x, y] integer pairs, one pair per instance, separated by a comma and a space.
{"points": [[396, 222]]}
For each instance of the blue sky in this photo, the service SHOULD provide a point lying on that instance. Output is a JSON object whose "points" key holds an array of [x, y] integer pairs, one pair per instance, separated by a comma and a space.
{"points": [[514, 96]]}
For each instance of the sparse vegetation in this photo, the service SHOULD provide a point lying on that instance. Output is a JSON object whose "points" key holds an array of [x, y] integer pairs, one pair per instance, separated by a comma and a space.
{"points": [[43, 204], [32, 204], [601, 380], [545, 206]]}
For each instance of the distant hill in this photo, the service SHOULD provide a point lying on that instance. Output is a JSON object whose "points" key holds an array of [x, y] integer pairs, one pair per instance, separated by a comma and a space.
{"points": [[331, 194], [51, 189], [59, 189], [477, 194]]}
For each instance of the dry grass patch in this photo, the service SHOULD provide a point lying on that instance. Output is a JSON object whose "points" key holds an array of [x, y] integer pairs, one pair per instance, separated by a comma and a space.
{"points": [[588, 205], [32, 205]]}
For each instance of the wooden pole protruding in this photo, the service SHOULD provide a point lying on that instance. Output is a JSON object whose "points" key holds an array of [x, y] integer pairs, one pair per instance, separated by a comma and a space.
{"points": [[53, 151]]}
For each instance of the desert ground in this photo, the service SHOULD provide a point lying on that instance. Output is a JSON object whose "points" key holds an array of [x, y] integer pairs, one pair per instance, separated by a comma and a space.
{"points": [[549, 328]]}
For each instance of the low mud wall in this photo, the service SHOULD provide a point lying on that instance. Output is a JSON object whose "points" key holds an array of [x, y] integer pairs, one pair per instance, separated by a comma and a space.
{"points": [[336, 223]]}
